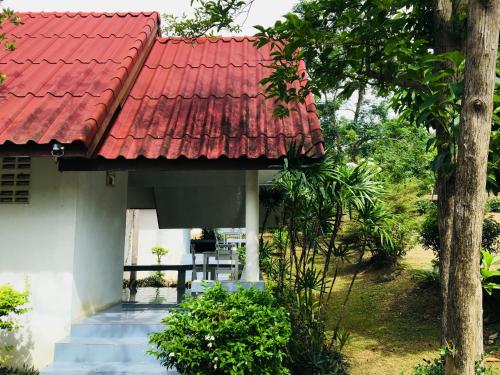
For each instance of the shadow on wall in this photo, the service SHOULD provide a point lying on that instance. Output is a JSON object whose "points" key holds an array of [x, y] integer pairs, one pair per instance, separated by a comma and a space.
{"points": [[22, 341]]}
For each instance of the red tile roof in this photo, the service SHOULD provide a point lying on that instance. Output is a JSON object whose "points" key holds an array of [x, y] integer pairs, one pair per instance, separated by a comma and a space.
{"points": [[204, 100], [67, 72], [200, 100]]}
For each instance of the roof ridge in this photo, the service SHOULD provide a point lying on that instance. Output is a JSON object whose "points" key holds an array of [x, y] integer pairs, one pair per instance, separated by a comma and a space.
{"points": [[186, 135], [203, 39], [75, 61], [83, 35], [87, 14], [247, 63]]}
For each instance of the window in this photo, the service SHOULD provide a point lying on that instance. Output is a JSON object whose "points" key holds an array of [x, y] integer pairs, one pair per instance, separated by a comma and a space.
{"points": [[15, 176]]}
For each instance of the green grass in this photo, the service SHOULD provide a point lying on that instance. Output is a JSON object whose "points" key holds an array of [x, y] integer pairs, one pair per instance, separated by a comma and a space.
{"points": [[393, 324]]}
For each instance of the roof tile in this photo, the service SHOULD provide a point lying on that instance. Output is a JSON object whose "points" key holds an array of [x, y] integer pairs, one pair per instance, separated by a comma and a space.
{"points": [[204, 100], [66, 72]]}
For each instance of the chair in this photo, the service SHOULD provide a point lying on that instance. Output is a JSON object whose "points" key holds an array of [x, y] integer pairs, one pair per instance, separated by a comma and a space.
{"points": [[227, 255], [194, 275]]}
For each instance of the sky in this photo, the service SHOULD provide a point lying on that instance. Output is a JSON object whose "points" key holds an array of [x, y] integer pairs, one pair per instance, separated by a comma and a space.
{"points": [[264, 12]]}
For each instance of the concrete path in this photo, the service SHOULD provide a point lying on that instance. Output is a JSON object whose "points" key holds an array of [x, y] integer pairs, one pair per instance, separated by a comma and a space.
{"points": [[113, 342]]}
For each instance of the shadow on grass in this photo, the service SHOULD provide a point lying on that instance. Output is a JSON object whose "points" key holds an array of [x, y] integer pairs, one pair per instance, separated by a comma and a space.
{"points": [[394, 318]]}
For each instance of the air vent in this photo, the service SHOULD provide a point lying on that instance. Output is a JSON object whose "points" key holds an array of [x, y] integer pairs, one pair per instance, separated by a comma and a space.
{"points": [[15, 176]]}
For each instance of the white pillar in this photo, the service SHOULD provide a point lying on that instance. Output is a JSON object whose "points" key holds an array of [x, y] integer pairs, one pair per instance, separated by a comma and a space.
{"points": [[186, 241], [252, 271]]}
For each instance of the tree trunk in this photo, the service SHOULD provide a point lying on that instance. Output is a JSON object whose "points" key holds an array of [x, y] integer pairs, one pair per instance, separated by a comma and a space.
{"points": [[465, 295], [359, 103], [446, 203], [446, 40]]}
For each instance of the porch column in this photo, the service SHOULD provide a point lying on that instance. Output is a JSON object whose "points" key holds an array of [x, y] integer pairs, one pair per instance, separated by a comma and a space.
{"points": [[252, 271]]}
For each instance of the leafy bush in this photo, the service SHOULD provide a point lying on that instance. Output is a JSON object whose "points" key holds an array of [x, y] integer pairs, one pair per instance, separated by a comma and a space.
{"points": [[310, 351], [12, 304], [401, 232], [397, 218], [429, 234], [386, 235], [488, 274], [493, 204], [424, 206], [18, 371], [153, 281], [437, 366], [491, 234], [225, 333]]}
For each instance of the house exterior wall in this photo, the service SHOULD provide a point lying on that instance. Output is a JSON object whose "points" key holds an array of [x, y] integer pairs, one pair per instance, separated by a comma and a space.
{"points": [[99, 243], [54, 247]]}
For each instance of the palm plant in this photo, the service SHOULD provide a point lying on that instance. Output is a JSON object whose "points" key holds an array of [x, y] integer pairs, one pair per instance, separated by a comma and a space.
{"points": [[317, 201]]}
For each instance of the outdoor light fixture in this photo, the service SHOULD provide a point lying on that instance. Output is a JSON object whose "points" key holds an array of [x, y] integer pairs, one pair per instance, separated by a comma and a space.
{"points": [[57, 151]]}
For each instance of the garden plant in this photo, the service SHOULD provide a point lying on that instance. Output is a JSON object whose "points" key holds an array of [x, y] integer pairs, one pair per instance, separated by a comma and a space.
{"points": [[245, 332]]}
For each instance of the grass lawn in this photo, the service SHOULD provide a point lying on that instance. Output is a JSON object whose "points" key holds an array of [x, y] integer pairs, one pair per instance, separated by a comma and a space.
{"points": [[393, 323]]}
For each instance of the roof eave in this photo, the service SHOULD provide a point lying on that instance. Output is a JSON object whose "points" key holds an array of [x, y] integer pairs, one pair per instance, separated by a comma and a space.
{"points": [[162, 164]]}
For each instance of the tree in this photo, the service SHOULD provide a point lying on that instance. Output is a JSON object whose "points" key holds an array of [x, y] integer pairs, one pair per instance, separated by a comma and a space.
{"points": [[393, 144], [7, 16], [414, 52], [159, 252], [465, 300]]}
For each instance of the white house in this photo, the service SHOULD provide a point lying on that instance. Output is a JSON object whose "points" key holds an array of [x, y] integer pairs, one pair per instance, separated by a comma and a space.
{"points": [[98, 115]]}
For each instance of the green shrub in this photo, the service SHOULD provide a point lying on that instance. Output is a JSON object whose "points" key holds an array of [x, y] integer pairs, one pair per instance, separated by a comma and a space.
{"points": [[424, 206], [429, 234], [18, 371], [493, 204], [401, 231], [437, 366], [310, 351], [225, 333], [12, 304], [491, 234], [153, 281]]}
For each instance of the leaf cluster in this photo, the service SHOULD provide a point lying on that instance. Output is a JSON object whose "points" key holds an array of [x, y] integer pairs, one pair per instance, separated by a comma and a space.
{"points": [[12, 304], [225, 333], [210, 17], [489, 273], [7, 16]]}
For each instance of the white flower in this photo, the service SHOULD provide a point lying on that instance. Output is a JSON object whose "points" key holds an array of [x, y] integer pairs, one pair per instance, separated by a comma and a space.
{"points": [[171, 355], [215, 366], [209, 344], [209, 338]]}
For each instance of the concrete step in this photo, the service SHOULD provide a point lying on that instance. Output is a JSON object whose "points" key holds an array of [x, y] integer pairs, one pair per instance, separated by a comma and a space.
{"points": [[99, 350], [112, 342], [118, 330], [110, 368]]}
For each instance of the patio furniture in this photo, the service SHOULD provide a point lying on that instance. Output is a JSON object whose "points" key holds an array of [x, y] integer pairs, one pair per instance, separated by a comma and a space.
{"points": [[228, 255], [202, 246]]}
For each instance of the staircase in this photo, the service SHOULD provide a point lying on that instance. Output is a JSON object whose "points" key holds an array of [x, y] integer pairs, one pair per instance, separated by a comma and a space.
{"points": [[113, 342]]}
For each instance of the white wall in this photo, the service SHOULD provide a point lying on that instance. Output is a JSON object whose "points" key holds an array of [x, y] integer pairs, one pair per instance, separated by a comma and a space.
{"points": [[99, 243], [177, 241], [67, 244]]}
